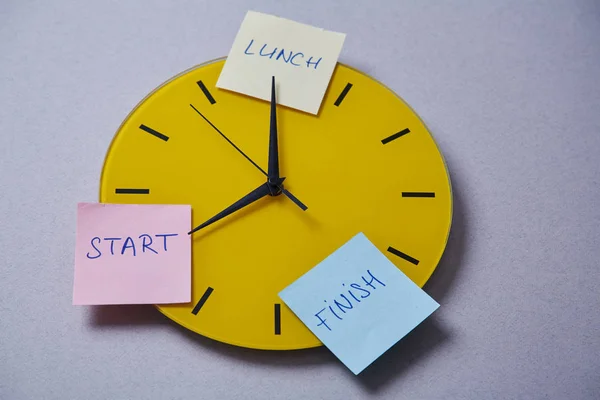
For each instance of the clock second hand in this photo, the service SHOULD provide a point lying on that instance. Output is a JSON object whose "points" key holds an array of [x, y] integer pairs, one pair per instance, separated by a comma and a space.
{"points": [[286, 192], [230, 142]]}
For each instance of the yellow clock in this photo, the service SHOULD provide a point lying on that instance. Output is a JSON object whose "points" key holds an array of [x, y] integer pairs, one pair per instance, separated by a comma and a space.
{"points": [[366, 163]]}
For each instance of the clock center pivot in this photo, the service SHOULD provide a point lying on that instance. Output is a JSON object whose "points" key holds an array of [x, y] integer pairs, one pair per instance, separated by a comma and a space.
{"points": [[275, 186]]}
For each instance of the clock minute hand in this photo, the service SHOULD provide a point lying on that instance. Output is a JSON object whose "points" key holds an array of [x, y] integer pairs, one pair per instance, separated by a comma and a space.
{"points": [[263, 190], [273, 171]]}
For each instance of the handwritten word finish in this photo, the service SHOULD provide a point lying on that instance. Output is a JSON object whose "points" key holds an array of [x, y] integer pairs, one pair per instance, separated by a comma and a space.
{"points": [[300, 57], [132, 254], [358, 303], [342, 303]]}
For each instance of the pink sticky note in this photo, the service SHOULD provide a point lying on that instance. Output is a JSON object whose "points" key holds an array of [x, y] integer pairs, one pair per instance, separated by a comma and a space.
{"points": [[132, 254]]}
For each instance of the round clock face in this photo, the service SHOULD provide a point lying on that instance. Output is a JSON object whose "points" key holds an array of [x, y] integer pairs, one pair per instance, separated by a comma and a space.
{"points": [[366, 163]]}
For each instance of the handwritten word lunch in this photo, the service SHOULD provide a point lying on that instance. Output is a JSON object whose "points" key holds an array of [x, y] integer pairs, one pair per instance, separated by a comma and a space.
{"points": [[339, 308], [124, 244], [297, 59]]}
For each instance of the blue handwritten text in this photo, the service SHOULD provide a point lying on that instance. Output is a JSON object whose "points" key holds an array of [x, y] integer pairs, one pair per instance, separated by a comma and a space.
{"points": [[295, 58], [345, 302], [128, 245]]}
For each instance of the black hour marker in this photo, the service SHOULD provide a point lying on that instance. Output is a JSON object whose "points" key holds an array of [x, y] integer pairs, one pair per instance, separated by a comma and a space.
{"points": [[202, 300], [206, 92], [395, 136], [403, 256], [278, 319], [343, 95], [154, 133], [418, 194], [132, 191]]}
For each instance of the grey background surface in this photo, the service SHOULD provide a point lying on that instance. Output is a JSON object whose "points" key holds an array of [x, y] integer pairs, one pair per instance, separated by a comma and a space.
{"points": [[511, 91]]}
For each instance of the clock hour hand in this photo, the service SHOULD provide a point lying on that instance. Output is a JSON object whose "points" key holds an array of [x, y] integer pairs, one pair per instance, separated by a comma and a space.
{"points": [[273, 171], [263, 190]]}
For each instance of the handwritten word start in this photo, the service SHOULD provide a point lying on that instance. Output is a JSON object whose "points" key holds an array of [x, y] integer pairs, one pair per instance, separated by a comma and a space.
{"points": [[128, 243], [289, 57], [340, 308]]}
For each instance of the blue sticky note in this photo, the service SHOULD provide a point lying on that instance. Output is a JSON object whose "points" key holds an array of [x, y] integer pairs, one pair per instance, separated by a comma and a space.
{"points": [[358, 303]]}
